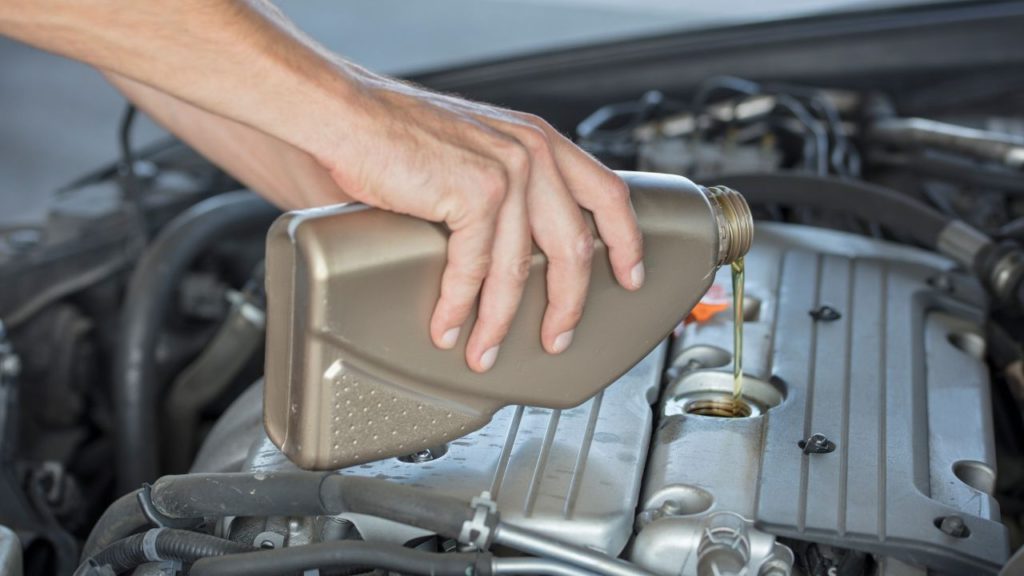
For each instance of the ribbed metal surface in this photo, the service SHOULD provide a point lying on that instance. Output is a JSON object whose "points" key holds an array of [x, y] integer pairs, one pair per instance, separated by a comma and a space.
{"points": [[574, 474], [901, 403], [895, 379]]}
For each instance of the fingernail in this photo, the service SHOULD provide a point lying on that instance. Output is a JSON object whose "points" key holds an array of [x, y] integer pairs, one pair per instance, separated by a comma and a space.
{"points": [[449, 338], [636, 276], [487, 359], [563, 341]]}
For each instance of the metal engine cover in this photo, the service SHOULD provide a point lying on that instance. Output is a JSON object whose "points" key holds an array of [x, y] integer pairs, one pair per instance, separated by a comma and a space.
{"points": [[895, 379], [891, 373], [574, 474]]}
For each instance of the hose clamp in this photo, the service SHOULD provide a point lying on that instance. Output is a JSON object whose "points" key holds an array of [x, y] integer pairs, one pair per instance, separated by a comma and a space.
{"points": [[479, 531]]}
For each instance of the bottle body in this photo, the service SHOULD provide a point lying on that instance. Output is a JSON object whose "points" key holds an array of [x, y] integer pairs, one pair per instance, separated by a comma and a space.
{"points": [[352, 375]]}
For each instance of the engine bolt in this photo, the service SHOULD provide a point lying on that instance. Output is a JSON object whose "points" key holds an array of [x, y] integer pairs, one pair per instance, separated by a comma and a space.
{"points": [[825, 313], [817, 444], [954, 526]]}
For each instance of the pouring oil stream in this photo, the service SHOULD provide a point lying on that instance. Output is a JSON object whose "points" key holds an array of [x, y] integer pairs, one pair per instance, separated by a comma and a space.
{"points": [[737, 329]]}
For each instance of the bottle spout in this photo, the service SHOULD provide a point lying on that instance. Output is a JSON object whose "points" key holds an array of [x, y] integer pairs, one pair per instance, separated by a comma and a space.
{"points": [[735, 222]]}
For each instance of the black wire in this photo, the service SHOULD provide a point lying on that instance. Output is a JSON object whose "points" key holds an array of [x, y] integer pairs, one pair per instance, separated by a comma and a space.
{"points": [[126, 169], [816, 129], [125, 138], [703, 94], [815, 150], [844, 158]]}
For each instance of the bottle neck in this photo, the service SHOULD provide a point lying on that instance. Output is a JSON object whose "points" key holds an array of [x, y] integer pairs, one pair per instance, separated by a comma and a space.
{"points": [[735, 222]]}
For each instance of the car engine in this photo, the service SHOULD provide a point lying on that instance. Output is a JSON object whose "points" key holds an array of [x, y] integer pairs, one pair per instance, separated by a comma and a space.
{"points": [[883, 374], [618, 474]]}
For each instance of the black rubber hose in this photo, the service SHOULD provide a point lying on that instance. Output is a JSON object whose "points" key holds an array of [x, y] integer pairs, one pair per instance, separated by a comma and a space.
{"points": [[121, 519], [346, 554], [165, 544], [891, 209], [242, 494], [307, 494], [149, 298]]}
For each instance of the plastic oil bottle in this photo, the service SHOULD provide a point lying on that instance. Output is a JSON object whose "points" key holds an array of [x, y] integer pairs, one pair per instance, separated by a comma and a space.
{"points": [[352, 375]]}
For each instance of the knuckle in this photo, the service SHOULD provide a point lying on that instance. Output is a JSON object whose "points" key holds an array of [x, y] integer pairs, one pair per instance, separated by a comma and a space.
{"points": [[519, 270], [517, 157], [469, 272], [536, 140], [476, 269], [577, 252], [616, 191], [568, 311], [584, 245], [493, 321], [493, 183], [534, 120]]}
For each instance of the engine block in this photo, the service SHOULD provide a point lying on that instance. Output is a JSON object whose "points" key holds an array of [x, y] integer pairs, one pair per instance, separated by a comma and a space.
{"points": [[869, 429], [867, 361]]}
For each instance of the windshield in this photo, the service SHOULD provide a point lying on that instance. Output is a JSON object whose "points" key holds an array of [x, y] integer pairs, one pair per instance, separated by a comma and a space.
{"points": [[399, 36]]}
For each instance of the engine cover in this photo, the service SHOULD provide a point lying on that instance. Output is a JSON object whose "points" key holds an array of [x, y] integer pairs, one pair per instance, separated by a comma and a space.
{"points": [[574, 474], [878, 349], [875, 347]]}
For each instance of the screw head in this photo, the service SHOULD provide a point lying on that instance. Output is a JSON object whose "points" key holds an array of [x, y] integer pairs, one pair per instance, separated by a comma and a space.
{"points": [[825, 313], [817, 444], [954, 526]]}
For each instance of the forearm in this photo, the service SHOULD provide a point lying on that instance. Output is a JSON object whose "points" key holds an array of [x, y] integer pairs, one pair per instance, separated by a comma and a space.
{"points": [[279, 171], [239, 59]]}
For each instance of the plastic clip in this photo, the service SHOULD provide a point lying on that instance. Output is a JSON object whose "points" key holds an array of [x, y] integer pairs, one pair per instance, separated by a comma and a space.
{"points": [[479, 532]]}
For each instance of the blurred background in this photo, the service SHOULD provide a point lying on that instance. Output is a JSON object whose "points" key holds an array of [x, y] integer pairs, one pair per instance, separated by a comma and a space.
{"points": [[59, 118], [879, 144]]}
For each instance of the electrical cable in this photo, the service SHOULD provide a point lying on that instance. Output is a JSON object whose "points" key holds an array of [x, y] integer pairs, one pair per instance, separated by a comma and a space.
{"points": [[157, 545], [815, 153], [121, 519]]}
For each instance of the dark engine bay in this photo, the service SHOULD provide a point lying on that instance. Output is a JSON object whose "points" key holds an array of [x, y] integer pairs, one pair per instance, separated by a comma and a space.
{"points": [[883, 367]]}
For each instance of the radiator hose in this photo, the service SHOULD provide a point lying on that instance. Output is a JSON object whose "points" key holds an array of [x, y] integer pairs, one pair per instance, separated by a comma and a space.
{"points": [[149, 298]]}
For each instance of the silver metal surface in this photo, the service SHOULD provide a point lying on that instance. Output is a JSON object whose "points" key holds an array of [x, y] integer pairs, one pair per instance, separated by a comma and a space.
{"points": [[546, 547], [962, 242], [897, 382], [925, 133], [529, 565], [10, 553], [571, 474]]}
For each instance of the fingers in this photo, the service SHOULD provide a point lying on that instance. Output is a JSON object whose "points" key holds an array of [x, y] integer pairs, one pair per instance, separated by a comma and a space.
{"points": [[561, 233], [603, 193], [503, 288], [469, 254], [537, 186], [510, 266]]}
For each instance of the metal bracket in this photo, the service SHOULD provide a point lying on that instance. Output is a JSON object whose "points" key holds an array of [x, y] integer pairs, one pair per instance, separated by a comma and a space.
{"points": [[479, 532]]}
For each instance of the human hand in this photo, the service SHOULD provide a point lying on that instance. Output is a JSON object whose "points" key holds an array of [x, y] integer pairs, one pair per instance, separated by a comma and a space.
{"points": [[499, 180]]}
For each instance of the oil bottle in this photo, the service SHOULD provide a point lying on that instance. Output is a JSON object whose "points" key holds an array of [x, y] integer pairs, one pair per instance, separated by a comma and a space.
{"points": [[352, 375]]}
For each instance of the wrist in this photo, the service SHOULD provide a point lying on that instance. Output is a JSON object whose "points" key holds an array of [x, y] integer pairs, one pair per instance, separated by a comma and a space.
{"points": [[341, 114]]}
